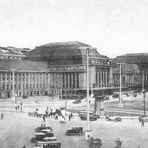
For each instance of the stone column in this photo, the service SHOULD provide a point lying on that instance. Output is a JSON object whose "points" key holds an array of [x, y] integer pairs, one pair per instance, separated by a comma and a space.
{"points": [[24, 82], [78, 80], [98, 81], [9, 81], [145, 77], [106, 79], [111, 77], [68, 78], [21, 82], [29, 80], [65, 78], [48, 82], [71, 80], [51, 80], [75, 80], [5, 81], [101, 79], [1, 80]]}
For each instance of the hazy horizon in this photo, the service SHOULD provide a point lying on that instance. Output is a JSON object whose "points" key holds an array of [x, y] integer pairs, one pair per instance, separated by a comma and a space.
{"points": [[114, 27]]}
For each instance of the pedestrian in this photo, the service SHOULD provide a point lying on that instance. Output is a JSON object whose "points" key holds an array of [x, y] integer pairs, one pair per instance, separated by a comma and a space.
{"points": [[56, 116], [46, 111], [142, 123], [44, 118], [69, 117], [36, 110], [2, 116]]}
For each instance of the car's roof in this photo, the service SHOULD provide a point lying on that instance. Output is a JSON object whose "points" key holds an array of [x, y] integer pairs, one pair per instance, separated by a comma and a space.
{"points": [[39, 133]]}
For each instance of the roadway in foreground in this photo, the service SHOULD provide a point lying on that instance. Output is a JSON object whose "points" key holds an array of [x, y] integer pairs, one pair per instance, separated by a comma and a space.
{"points": [[17, 129]]}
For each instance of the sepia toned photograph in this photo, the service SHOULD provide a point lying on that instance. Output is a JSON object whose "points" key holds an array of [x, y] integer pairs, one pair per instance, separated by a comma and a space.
{"points": [[73, 74]]}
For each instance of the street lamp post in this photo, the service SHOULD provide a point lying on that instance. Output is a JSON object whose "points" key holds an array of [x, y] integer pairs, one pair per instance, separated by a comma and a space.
{"points": [[143, 93], [88, 133], [88, 125], [120, 100], [120, 72], [13, 79], [61, 88]]}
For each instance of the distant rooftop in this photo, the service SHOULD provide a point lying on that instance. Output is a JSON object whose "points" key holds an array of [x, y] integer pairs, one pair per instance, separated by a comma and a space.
{"points": [[140, 59], [69, 43], [13, 51], [135, 54], [60, 50]]}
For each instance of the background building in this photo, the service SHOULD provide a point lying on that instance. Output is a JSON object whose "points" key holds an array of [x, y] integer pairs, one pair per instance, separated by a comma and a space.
{"points": [[67, 65], [13, 53], [28, 78], [59, 69], [139, 60]]}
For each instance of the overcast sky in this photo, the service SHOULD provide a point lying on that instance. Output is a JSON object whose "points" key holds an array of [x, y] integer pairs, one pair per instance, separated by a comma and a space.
{"points": [[114, 27]]}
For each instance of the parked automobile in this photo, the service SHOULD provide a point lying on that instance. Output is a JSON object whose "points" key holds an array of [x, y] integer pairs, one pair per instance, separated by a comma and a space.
{"points": [[46, 139], [77, 101], [41, 136], [113, 118], [135, 95], [43, 127], [49, 144], [24, 96], [92, 116], [48, 133], [106, 98], [144, 118], [95, 143], [82, 97], [69, 97], [115, 95], [75, 131], [37, 137]]}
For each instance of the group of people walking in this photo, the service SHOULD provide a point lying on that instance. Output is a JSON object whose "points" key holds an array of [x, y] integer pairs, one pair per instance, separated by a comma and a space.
{"points": [[17, 107], [55, 114]]}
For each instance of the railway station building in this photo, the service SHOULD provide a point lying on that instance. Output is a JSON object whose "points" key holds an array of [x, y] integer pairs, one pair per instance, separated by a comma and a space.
{"points": [[58, 69]]}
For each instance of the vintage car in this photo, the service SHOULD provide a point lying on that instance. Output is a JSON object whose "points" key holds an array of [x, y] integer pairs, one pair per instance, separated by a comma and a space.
{"points": [[37, 137], [43, 127], [75, 131], [49, 144], [48, 133], [95, 142], [115, 95], [43, 136], [113, 118], [38, 146], [46, 139], [144, 118], [77, 101], [25, 97], [92, 116]]}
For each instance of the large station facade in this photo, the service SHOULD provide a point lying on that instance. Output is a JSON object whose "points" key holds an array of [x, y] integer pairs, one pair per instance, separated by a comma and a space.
{"points": [[67, 65], [59, 69]]}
